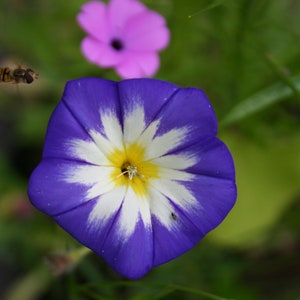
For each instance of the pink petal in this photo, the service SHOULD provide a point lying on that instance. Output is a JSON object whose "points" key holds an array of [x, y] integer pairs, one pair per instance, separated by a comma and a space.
{"points": [[120, 11], [147, 31], [93, 18], [101, 53], [138, 65]]}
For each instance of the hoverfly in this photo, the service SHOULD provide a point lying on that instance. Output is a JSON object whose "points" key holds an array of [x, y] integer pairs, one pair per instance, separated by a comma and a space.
{"points": [[18, 75]]}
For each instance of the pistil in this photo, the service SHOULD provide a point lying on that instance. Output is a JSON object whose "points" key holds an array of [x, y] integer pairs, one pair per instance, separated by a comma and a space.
{"points": [[130, 171]]}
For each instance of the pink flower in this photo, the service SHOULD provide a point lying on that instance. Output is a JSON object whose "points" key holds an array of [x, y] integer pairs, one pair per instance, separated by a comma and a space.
{"points": [[124, 35]]}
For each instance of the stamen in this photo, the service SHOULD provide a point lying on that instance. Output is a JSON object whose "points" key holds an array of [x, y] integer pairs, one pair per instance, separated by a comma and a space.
{"points": [[131, 171]]}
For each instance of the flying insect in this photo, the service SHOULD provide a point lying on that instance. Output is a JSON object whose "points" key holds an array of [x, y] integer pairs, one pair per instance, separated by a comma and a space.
{"points": [[18, 75]]}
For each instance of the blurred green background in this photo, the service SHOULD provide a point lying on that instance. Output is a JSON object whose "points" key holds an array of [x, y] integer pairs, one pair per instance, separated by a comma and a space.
{"points": [[245, 54]]}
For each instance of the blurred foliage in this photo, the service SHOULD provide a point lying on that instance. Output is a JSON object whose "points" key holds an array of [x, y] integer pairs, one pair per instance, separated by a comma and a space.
{"points": [[245, 54]]}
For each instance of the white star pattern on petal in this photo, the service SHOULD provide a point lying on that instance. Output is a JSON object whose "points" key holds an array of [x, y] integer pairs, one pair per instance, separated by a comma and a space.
{"points": [[166, 185]]}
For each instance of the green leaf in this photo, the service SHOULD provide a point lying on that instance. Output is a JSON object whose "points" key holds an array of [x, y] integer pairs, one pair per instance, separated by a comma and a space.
{"points": [[282, 74], [261, 100], [211, 5]]}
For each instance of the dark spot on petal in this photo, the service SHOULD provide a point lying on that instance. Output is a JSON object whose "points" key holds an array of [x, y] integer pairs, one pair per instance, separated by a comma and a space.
{"points": [[117, 44], [173, 216]]}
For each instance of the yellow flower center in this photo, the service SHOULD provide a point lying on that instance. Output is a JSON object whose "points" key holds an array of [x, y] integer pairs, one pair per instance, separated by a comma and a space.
{"points": [[132, 169]]}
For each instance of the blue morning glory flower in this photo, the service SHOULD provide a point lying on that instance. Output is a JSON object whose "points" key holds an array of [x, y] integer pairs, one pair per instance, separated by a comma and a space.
{"points": [[134, 170]]}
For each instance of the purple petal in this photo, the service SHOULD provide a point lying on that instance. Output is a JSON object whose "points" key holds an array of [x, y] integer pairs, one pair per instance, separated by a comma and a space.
{"points": [[55, 142], [214, 159], [101, 53], [146, 32], [86, 97], [49, 189], [151, 94], [216, 197], [120, 11], [213, 183], [169, 244], [191, 109], [91, 236], [131, 257], [93, 18], [136, 65]]}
